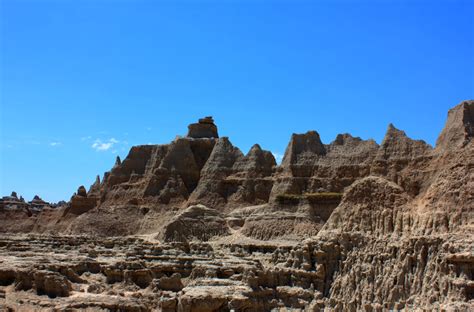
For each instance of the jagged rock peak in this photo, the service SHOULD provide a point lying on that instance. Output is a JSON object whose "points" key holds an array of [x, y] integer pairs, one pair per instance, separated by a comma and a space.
{"points": [[345, 138], [396, 144], [257, 151], [81, 191], [38, 201], [346, 143], [341, 139], [95, 188], [393, 134], [256, 148], [256, 162], [459, 127], [223, 156], [204, 128], [14, 194], [118, 162], [309, 142]]}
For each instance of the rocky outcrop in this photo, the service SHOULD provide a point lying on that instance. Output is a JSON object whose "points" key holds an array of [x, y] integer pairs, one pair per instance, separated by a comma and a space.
{"points": [[187, 171], [309, 166], [195, 223], [13, 202], [312, 167], [38, 203], [230, 179], [459, 129], [81, 202], [133, 274], [345, 226], [18, 215], [205, 128], [403, 160], [397, 146], [372, 205], [172, 283], [94, 190]]}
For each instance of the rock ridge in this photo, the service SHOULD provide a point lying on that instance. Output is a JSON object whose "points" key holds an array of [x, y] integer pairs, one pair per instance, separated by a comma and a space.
{"points": [[197, 225]]}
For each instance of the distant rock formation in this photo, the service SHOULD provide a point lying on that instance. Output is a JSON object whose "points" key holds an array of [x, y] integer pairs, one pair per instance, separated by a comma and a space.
{"points": [[208, 170], [12, 202], [38, 204]]}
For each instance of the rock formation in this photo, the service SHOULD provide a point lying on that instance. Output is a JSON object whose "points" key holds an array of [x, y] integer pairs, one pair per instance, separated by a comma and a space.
{"points": [[196, 225], [459, 128], [81, 202], [205, 128], [18, 215]]}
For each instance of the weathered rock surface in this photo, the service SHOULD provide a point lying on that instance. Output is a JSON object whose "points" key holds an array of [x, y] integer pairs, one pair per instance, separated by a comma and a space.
{"points": [[20, 216], [310, 166], [81, 202], [459, 128], [205, 128], [196, 225]]}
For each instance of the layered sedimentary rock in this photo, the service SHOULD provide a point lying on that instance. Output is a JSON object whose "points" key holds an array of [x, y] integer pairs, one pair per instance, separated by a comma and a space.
{"points": [[309, 166], [146, 190], [18, 215], [81, 202], [196, 225], [205, 128], [12, 202], [459, 128], [230, 179]]}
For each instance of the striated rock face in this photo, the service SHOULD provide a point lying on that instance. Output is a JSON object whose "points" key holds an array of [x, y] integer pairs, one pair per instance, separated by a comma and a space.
{"points": [[196, 225], [397, 146], [229, 179], [369, 206], [311, 167], [211, 190], [459, 128], [302, 152]]}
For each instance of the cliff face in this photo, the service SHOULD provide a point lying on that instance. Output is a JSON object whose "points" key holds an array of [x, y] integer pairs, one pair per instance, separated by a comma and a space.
{"points": [[347, 226], [400, 250]]}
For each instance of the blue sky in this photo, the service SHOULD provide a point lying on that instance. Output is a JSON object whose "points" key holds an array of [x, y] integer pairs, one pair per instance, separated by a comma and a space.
{"points": [[83, 81]]}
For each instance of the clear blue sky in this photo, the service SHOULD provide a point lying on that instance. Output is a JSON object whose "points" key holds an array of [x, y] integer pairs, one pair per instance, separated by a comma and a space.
{"points": [[82, 81]]}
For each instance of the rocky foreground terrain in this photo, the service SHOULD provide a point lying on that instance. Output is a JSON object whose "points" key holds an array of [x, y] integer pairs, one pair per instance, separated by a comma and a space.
{"points": [[196, 225]]}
